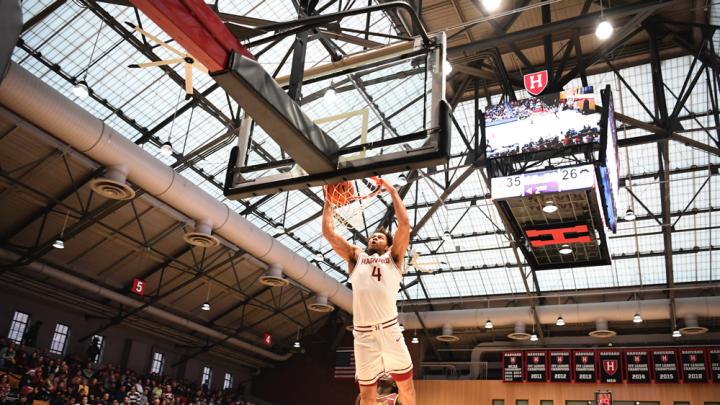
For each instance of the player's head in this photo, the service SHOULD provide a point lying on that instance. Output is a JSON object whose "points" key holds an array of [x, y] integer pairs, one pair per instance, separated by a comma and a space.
{"points": [[379, 241]]}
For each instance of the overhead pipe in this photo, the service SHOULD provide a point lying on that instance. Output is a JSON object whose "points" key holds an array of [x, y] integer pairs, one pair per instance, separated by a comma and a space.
{"points": [[573, 313], [42, 105], [95, 289]]}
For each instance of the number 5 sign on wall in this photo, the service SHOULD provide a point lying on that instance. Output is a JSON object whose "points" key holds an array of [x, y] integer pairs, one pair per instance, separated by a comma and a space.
{"points": [[138, 287]]}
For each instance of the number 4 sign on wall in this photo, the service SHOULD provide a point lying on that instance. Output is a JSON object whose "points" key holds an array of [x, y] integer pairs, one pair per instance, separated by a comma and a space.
{"points": [[138, 287]]}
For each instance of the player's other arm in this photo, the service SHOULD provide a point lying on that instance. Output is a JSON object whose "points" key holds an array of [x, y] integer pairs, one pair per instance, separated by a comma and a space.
{"points": [[401, 239], [342, 247]]}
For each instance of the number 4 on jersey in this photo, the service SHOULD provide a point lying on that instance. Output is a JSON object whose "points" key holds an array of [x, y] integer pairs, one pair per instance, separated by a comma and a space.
{"points": [[376, 273]]}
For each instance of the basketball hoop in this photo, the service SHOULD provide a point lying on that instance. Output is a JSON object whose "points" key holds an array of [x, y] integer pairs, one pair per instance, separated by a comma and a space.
{"points": [[348, 200]]}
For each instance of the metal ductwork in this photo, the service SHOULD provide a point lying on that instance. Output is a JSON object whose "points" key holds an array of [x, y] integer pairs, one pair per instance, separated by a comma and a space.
{"points": [[113, 185], [447, 335], [11, 24], [40, 104], [602, 330], [95, 289], [691, 326], [321, 304], [519, 332], [619, 311], [274, 277], [201, 236]]}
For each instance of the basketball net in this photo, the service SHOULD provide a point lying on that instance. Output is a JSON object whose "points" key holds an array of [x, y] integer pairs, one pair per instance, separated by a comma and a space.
{"points": [[349, 199]]}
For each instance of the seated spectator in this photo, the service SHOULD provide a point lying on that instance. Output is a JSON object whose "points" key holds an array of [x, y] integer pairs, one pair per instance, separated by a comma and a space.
{"points": [[7, 356]]}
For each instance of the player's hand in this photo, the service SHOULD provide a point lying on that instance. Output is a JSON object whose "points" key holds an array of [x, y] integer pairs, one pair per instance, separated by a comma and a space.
{"points": [[384, 183]]}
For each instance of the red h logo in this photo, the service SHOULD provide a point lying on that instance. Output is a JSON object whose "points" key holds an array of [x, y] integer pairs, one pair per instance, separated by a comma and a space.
{"points": [[558, 236], [536, 82], [610, 366]]}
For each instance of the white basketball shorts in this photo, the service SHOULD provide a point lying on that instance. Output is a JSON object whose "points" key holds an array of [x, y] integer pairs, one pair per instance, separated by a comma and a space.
{"points": [[380, 350]]}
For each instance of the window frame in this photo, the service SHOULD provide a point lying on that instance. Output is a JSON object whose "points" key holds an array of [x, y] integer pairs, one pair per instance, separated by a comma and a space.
{"points": [[14, 331], [159, 359], [206, 373], [102, 347], [59, 337], [228, 381]]}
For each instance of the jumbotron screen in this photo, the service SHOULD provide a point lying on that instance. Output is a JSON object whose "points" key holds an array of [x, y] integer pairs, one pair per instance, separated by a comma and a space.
{"points": [[610, 161], [547, 122]]}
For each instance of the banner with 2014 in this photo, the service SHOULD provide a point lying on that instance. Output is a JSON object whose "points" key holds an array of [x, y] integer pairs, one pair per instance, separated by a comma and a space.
{"points": [[614, 366]]}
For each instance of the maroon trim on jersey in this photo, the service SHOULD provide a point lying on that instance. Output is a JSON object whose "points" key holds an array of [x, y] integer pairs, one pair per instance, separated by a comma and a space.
{"points": [[370, 328]]}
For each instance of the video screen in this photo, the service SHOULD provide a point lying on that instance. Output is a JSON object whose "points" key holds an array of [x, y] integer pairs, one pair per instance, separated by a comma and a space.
{"points": [[548, 122], [609, 156]]}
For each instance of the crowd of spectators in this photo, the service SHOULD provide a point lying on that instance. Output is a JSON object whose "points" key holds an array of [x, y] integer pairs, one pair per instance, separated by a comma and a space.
{"points": [[32, 376], [516, 109]]}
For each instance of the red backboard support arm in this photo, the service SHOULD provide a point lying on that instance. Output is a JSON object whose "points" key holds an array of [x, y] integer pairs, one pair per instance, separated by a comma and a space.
{"points": [[195, 26]]}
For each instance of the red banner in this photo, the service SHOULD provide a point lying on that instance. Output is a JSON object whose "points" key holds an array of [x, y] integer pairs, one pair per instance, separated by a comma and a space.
{"points": [[636, 365]]}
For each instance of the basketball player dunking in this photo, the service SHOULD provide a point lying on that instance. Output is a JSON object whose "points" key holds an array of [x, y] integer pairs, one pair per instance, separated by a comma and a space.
{"points": [[375, 275]]}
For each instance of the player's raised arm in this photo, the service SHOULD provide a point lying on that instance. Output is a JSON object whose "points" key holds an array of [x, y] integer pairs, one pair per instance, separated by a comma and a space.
{"points": [[342, 247], [401, 239]]}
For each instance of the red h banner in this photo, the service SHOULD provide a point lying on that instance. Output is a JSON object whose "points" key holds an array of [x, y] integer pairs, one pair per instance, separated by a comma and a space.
{"points": [[558, 236], [536, 82]]}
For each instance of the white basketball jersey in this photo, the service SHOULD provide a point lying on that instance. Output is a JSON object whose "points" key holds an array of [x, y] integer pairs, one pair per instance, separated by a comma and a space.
{"points": [[375, 284]]}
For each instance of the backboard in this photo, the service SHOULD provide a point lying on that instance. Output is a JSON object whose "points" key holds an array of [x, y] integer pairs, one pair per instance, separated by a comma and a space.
{"points": [[384, 110]]}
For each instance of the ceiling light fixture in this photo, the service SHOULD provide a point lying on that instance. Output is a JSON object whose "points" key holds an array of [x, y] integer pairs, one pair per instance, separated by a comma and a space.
{"points": [[415, 340], [488, 324], [60, 242], [166, 149], [637, 318], [565, 249], [447, 67], [401, 181], [330, 94], [491, 5], [206, 305], [604, 29], [447, 236], [676, 333], [319, 257], [296, 345], [550, 207], [81, 89], [533, 338], [630, 214], [560, 321]]}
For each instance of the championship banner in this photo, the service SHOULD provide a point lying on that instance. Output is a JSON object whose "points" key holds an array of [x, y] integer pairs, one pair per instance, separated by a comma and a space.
{"points": [[694, 369], [610, 366], [560, 366], [665, 366], [584, 369], [714, 355], [637, 364], [513, 367], [536, 366]]}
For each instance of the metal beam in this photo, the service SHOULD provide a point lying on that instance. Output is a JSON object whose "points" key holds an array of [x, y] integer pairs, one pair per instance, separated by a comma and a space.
{"points": [[37, 18], [584, 20], [663, 161]]}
